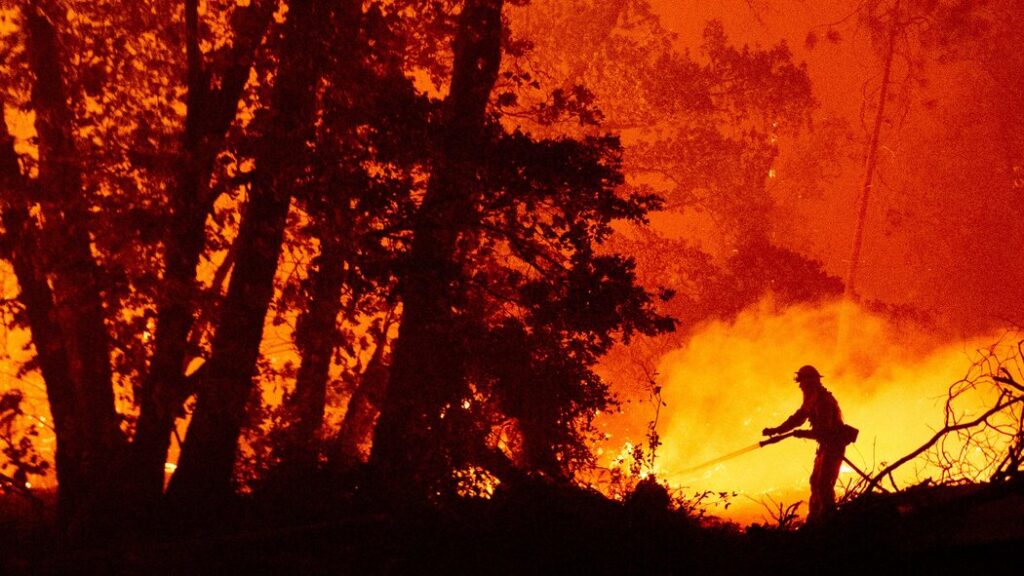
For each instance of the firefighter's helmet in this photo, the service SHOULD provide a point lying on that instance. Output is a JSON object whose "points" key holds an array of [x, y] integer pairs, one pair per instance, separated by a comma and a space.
{"points": [[808, 374]]}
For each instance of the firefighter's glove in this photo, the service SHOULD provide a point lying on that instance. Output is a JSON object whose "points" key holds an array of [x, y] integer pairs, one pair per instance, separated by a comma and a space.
{"points": [[770, 431]]}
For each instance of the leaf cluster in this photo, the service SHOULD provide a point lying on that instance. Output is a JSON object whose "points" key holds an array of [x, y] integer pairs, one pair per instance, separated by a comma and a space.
{"points": [[18, 445]]}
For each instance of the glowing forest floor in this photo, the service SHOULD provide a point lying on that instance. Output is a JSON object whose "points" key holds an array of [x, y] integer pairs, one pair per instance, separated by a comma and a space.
{"points": [[547, 530]]}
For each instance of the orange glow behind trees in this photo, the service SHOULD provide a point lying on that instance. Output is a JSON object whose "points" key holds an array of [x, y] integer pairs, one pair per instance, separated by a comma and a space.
{"points": [[474, 219]]}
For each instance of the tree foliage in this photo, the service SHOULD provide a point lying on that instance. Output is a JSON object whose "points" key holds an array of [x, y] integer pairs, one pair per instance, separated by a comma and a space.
{"points": [[18, 446], [203, 176]]}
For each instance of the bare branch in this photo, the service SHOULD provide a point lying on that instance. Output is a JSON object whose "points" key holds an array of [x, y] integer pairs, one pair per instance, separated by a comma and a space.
{"points": [[941, 434]]}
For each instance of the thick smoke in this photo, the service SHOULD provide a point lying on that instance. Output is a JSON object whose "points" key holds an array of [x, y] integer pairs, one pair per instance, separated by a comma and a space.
{"points": [[734, 378]]}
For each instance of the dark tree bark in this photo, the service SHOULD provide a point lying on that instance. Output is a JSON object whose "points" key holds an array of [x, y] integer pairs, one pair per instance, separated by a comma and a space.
{"points": [[60, 286], [334, 219], [316, 335], [408, 456], [212, 102], [204, 471], [21, 245], [356, 429]]}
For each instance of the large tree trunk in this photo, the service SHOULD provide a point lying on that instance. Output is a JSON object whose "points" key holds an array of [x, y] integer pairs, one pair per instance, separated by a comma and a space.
{"points": [[208, 454], [409, 456], [297, 444], [356, 430], [61, 288], [204, 471], [316, 335], [210, 111], [21, 246]]}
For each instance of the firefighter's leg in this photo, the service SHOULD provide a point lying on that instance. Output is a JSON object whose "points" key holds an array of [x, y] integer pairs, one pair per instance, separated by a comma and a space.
{"points": [[814, 505], [826, 471]]}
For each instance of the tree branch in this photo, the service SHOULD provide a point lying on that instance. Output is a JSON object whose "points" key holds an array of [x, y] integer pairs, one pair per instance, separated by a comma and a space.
{"points": [[939, 436]]}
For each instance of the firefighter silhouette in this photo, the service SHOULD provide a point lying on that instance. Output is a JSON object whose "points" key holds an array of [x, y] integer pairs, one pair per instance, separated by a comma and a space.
{"points": [[827, 428]]}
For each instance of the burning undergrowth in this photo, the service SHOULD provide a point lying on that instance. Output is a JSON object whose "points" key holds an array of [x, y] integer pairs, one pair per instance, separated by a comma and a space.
{"points": [[891, 377]]}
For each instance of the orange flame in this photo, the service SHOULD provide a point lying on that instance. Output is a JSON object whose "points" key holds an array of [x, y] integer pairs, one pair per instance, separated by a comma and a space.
{"points": [[735, 378]]}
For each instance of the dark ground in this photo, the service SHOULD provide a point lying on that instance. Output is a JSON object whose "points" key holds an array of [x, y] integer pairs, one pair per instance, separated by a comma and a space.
{"points": [[543, 529]]}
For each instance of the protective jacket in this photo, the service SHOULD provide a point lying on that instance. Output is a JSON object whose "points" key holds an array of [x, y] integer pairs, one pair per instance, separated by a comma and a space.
{"points": [[822, 409]]}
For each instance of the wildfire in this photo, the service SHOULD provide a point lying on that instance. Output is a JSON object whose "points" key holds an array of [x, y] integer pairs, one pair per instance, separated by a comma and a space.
{"points": [[734, 378]]}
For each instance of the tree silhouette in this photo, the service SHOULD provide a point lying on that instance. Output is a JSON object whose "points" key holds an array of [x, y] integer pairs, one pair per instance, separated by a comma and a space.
{"points": [[304, 131]]}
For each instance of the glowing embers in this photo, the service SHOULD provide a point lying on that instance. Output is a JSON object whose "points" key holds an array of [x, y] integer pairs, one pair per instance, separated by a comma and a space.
{"points": [[475, 482]]}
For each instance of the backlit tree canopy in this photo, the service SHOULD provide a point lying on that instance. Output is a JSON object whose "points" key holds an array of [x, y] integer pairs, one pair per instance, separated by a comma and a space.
{"points": [[168, 161]]}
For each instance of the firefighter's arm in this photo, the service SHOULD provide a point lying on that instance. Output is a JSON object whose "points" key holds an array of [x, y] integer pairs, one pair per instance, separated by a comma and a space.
{"points": [[798, 418]]}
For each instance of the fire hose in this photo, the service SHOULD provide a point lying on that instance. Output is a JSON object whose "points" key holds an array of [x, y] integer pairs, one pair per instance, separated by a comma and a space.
{"points": [[761, 444]]}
